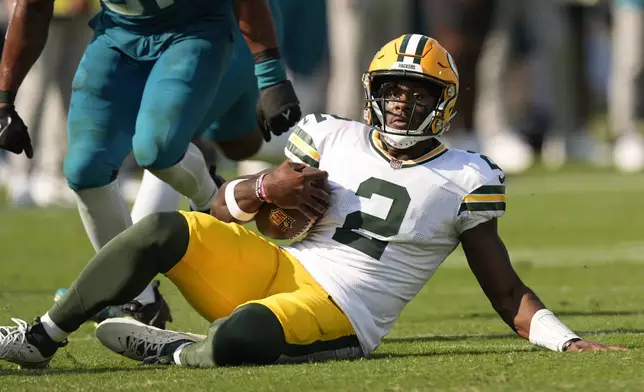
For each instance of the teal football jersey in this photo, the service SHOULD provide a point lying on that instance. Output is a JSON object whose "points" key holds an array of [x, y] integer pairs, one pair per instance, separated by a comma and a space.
{"points": [[157, 15]]}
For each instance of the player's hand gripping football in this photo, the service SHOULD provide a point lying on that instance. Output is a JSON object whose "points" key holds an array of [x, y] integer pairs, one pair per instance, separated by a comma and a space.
{"points": [[278, 109], [585, 345], [290, 186], [13, 132]]}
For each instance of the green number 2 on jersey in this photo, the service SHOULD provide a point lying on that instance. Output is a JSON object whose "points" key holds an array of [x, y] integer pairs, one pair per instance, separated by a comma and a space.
{"points": [[387, 227]]}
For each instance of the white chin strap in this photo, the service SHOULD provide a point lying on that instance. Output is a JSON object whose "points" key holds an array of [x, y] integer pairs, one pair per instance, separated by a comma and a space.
{"points": [[392, 136], [401, 142]]}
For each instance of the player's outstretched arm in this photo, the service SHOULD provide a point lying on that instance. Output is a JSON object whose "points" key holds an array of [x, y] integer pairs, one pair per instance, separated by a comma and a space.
{"points": [[517, 305], [26, 38], [286, 186], [256, 24], [24, 43], [278, 108]]}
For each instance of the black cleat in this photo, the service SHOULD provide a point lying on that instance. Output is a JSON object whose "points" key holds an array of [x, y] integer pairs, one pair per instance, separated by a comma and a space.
{"points": [[156, 314], [219, 180], [26, 345]]}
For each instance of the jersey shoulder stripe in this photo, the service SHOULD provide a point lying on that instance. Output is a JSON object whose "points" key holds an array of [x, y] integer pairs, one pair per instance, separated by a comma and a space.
{"points": [[312, 133], [301, 147], [484, 198]]}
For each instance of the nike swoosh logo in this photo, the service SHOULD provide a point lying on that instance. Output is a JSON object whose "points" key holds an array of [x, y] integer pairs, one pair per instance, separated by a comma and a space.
{"points": [[4, 129]]}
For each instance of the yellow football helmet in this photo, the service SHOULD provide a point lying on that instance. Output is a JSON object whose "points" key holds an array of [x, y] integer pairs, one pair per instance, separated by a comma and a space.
{"points": [[416, 57]]}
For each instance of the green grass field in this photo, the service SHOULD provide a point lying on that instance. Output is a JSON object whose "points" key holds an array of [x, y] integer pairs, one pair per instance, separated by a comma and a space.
{"points": [[576, 237]]}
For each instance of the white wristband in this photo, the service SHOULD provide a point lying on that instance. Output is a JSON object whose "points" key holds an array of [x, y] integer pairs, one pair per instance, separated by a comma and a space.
{"points": [[547, 331], [232, 205]]}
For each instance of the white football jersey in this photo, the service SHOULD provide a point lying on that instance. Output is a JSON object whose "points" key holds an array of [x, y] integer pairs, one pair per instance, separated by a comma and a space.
{"points": [[390, 223]]}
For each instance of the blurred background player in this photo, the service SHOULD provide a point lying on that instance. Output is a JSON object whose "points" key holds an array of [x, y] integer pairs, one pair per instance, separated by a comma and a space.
{"points": [[356, 27], [625, 84], [145, 84], [462, 29]]}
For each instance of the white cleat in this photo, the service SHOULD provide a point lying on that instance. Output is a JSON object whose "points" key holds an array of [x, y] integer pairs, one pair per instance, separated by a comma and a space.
{"points": [[138, 341], [15, 348]]}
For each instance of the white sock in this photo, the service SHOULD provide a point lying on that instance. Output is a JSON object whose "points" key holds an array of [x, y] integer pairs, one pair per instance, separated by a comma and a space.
{"points": [[147, 295], [154, 196], [54, 332], [190, 177], [176, 356], [104, 213]]}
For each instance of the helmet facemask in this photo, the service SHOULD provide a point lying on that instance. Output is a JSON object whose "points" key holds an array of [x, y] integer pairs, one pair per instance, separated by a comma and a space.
{"points": [[424, 121]]}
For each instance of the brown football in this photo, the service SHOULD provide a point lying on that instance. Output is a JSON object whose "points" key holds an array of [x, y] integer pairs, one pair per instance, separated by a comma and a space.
{"points": [[285, 224]]}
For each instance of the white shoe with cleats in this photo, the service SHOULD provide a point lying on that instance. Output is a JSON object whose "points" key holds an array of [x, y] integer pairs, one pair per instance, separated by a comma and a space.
{"points": [[15, 348], [138, 341]]}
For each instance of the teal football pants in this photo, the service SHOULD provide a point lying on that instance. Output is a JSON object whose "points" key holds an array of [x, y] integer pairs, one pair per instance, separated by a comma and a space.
{"points": [[150, 107]]}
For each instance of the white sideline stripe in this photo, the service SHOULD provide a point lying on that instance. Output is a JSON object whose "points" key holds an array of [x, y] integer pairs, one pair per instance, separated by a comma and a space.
{"points": [[624, 252]]}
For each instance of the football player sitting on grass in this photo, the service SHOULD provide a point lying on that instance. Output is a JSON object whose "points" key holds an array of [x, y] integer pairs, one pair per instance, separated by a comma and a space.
{"points": [[399, 202]]}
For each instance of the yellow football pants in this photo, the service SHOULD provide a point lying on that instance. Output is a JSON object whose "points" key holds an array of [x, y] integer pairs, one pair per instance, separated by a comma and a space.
{"points": [[227, 266]]}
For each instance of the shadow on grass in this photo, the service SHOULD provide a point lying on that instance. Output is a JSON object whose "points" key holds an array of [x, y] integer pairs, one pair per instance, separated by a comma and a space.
{"points": [[500, 350], [77, 371], [590, 313]]}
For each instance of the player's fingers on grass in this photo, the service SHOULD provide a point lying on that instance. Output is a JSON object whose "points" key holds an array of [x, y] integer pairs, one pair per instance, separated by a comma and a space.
{"points": [[594, 346], [604, 347], [617, 348]]}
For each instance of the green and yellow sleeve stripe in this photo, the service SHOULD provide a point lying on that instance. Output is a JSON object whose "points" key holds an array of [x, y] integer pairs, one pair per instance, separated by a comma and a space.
{"points": [[485, 198], [300, 145]]}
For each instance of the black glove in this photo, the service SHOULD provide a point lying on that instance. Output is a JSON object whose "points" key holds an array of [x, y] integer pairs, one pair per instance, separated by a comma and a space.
{"points": [[13, 132], [278, 109]]}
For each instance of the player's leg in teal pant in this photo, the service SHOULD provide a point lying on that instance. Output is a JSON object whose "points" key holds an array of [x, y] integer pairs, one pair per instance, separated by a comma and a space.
{"points": [[231, 121], [106, 93], [178, 94], [165, 100], [236, 132]]}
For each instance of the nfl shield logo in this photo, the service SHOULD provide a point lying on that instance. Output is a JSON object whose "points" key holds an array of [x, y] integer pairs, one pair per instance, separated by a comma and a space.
{"points": [[395, 163], [281, 219]]}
